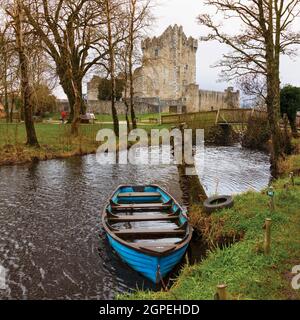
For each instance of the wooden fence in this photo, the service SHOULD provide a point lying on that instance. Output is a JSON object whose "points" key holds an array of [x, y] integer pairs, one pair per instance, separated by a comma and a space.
{"points": [[209, 118]]}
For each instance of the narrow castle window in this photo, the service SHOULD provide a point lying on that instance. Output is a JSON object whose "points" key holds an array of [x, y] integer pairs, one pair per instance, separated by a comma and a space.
{"points": [[156, 53]]}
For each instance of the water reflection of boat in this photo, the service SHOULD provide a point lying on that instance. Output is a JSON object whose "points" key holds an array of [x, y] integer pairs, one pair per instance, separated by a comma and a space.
{"points": [[147, 228]]}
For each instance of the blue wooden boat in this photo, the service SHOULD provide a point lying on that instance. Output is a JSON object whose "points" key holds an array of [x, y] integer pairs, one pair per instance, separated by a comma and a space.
{"points": [[147, 228]]}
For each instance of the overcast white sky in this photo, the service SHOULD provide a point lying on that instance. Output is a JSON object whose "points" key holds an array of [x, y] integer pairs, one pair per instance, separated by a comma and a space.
{"points": [[184, 12]]}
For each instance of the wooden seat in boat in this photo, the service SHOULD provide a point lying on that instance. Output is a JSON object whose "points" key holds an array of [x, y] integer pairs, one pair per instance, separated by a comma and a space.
{"points": [[139, 194], [152, 233], [146, 217], [140, 206], [162, 249]]}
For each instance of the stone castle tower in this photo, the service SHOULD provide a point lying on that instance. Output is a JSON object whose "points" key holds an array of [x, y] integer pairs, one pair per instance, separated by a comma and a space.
{"points": [[166, 80], [169, 65], [168, 72]]}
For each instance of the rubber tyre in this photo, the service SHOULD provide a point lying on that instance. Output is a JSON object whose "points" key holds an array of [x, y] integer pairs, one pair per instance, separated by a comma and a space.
{"points": [[211, 204]]}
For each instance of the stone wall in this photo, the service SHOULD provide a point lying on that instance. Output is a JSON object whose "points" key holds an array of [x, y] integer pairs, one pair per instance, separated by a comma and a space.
{"points": [[191, 99], [104, 107], [194, 100], [214, 100]]}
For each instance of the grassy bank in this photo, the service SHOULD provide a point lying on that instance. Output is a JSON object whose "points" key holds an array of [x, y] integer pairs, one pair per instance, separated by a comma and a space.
{"points": [[235, 240], [55, 141]]}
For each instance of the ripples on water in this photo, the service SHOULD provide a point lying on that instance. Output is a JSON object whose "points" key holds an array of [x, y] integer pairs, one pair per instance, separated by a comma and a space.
{"points": [[51, 241], [231, 170]]}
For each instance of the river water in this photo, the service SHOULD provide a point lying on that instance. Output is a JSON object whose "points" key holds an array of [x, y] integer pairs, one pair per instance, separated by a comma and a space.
{"points": [[52, 245]]}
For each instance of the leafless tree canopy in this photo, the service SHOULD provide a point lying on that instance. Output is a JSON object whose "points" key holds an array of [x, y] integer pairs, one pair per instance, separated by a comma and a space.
{"points": [[267, 30], [258, 20], [67, 39]]}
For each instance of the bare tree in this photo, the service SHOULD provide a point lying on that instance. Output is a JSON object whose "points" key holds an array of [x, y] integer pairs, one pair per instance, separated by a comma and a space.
{"points": [[113, 36], [26, 90], [4, 67], [255, 88], [68, 30], [266, 33], [139, 17], [9, 67]]}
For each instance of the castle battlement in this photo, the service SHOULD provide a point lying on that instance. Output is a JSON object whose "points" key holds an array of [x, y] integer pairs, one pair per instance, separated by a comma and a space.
{"points": [[171, 34]]}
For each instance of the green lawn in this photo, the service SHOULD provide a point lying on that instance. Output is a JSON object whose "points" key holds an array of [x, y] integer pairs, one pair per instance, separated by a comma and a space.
{"points": [[55, 141], [108, 118], [48, 134]]}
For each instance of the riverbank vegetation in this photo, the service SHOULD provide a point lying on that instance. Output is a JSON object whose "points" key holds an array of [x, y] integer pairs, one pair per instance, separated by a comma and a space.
{"points": [[234, 240], [55, 140], [257, 135]]}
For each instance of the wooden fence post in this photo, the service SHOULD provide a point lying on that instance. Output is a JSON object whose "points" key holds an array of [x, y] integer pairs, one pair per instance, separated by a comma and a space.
{"points": [[271, 194], [221, 292], [292, 178], [267, 242], [217, 117]]}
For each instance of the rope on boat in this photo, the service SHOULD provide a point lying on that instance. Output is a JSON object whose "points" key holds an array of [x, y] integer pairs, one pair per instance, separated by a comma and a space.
{"points": [[161, 278]]}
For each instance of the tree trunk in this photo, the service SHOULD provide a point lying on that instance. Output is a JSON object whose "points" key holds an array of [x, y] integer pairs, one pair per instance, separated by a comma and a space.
{"points": [[293, 124], [273, 99], [130, 64], [25, 86], [132, 112], [113, 93], [112, 67], [127, 114], [77, 107], [273, 91], [12, 104], [67, 86], [6, 104], [76, 117]]}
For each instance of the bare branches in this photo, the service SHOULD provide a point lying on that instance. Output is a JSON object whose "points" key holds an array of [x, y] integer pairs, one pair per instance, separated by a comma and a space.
{"points": [[80, 35], [260, 21], [266, 32]]}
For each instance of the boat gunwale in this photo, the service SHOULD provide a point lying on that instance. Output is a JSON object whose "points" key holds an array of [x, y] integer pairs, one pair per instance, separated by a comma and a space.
{"points": [[176, 246]]}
